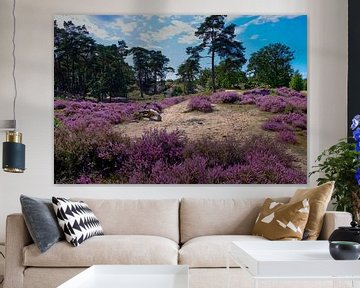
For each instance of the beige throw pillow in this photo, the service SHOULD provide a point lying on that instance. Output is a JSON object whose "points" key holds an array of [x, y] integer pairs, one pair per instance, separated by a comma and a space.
{"points": [[279, 221], [319, 198]]}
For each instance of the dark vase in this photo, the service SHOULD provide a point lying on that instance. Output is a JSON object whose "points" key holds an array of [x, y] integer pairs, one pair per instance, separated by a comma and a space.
{"points": [[351, 234], [344, 250]]}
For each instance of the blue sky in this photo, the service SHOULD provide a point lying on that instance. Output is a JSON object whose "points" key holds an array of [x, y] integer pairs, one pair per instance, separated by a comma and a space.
{"points": [[173, 33]]}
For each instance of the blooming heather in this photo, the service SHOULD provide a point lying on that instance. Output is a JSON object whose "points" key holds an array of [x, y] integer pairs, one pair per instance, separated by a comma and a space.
{"points": [[159, 156], [167, 102], [225, 97], [200, 103], [287, 92], [271, 104], [248, 99], [92, 115], [274, 125], [88, 150], [286, 122], [258, 91], [285, 100], [287, 136]]}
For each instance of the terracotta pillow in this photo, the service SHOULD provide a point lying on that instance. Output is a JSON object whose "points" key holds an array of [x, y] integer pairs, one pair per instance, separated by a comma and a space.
{"points": [[319, 198], [279, 221]]}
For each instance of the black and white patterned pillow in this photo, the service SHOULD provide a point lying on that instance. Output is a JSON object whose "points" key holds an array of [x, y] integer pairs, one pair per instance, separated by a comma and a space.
{"points": [[77, 220]]}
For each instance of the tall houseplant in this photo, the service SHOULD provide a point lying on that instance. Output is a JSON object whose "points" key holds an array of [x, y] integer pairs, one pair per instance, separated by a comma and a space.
{"points": [[341, 163]]}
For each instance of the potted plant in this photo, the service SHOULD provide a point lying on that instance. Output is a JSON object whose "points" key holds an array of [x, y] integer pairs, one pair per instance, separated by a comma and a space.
{"points": [[341, 163]]}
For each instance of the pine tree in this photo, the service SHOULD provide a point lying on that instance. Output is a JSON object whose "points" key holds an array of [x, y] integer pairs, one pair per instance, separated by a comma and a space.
{"points": [[220, 40], [190, 69]]}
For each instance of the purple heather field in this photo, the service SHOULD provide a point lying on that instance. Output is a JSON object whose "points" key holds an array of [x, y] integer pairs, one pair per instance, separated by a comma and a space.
{"points": [[90, 147]]}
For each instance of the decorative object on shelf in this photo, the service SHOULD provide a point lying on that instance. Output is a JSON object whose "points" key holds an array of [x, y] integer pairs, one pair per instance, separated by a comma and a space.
{"points": [[344, 250], [345, 233], [13, 149], [341, 163]]}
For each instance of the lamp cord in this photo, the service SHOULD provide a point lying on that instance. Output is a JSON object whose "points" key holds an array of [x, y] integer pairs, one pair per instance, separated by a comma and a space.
{"points": [[14, 59]]}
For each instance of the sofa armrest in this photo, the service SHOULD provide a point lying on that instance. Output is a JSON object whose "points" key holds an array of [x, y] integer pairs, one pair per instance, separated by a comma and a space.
{"points": [[333, 220], [17, 237]]}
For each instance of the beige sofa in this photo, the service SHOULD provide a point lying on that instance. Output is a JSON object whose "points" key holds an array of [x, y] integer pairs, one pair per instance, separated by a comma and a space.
{"points": [[194, 232]]}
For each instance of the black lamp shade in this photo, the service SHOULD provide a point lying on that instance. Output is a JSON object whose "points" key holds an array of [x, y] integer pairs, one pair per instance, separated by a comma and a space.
{"points": [[13, 157]]}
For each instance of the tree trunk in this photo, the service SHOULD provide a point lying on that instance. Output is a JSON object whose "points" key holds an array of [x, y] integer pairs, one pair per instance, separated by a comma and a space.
{"points": [[355, 201], [213, 70], [72, 77], [140, 86], [155, 85], [141, 91]]}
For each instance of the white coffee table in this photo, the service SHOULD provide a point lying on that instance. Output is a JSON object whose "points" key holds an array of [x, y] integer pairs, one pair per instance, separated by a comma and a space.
{"points": [[292, 260], [131, 276]]}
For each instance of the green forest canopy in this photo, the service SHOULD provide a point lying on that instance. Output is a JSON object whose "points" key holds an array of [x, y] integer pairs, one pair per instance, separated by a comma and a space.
{"points": [[84, 68]]}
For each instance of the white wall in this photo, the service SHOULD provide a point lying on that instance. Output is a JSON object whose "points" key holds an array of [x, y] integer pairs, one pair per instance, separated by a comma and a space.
{"points": [[327, 85]]}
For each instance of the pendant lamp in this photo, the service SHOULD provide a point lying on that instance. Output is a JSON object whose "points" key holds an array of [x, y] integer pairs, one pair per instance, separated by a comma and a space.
{"points": [[13, 160]]}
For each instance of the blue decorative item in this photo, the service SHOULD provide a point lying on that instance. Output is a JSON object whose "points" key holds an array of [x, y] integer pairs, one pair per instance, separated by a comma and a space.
{"points": [[356, 134]]}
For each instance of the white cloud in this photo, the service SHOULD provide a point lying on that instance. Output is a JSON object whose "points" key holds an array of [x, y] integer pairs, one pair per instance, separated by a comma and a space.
{"points": [[293, 16], [126, 27], [257, 21], [80, 20], [152, 47], [148, 16], [240, 29], [164, 18], [198, 19], [145, 37], [261, 20], [265, 19], [231, 17], [188, 39], [176, 28], [254, 37]]}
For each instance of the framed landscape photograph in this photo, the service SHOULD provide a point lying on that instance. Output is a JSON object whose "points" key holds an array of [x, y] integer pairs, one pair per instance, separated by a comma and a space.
{"points": [[180, 99]]}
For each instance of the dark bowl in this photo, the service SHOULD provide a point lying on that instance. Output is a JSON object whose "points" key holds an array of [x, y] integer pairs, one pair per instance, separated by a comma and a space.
{"points": [[344, 250]]}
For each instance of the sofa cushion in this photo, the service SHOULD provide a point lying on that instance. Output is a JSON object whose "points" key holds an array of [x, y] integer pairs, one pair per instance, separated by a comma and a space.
{"points": [[211, 251], [41, 221], [158, 217], [107, 249], [319, 198], [76, 220], [201, 217], [279, 221]]}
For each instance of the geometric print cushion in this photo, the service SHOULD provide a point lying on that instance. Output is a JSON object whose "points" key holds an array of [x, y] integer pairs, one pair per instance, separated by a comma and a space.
{"points": [[279, 221], [76, 220]]}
